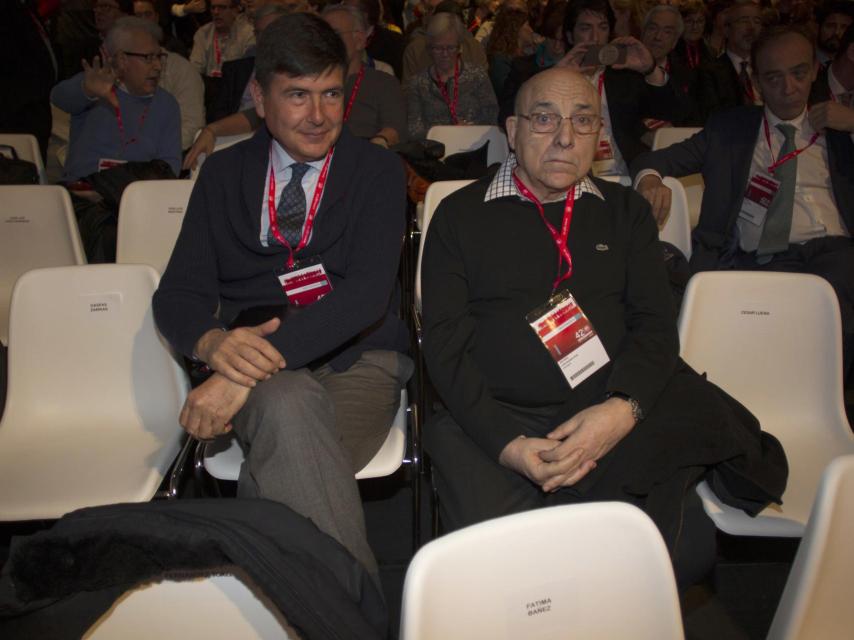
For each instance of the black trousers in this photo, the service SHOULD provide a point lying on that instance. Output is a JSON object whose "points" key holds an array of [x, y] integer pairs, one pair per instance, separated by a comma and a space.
{"points": [[831, 258], [472, 488]]}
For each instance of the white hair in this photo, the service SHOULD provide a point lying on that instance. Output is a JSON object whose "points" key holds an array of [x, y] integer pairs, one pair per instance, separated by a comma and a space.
{"points": [[119, 34]]}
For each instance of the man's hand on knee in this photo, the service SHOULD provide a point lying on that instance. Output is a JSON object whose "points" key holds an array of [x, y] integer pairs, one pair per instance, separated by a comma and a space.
{"points": [[593, 431], [525, 456], [242, 355], [210, 407]]}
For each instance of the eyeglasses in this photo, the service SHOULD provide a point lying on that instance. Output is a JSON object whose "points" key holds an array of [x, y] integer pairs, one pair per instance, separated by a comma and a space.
{"points": [[447, 50], [148, 57], [545, 122]]}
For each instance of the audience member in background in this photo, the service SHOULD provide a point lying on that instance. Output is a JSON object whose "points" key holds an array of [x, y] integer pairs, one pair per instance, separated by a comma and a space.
{"points": [[147, 10], [833, 18], [187, 18], [383, 44], [118, 112], [835, 84], [629, 92], [224, 38], [417, 56], [716, 18], [729, 80], [312, 390], [605, 409], [481, 11], [449, 91], [27, 79], [380, 116], [691, 50], [107, 12], [234, 94], [483, 33], [511, 38], [662, 28], [624, 24], [179, 78], [378, 112], [123, 128], [546, 55], [798, 160]]}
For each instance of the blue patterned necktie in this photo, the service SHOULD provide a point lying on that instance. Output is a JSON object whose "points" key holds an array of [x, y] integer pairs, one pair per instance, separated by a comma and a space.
{"points": [[290, 213], [778, 220]]}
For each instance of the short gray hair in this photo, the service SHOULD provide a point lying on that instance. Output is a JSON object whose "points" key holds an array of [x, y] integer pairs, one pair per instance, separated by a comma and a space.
{"points": [[359, 19], [665, 8], [117, 36], [442, 23], [270, 9]]}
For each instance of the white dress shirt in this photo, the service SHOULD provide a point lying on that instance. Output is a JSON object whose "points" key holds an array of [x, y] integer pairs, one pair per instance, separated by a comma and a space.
{"points": [[282, 162], [815, 213]]}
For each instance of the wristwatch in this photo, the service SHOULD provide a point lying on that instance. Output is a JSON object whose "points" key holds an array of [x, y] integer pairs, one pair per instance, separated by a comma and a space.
{"points": [[637, 413]]}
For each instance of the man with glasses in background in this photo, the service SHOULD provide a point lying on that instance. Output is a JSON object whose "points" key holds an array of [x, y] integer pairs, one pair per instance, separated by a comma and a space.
{"points": [[118, 112], [550, 336]]}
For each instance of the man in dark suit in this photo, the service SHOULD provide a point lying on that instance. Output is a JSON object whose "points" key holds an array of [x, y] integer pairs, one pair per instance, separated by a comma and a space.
{"points": [[727, 81], [801, 164], [630, 91], [299, 228]]}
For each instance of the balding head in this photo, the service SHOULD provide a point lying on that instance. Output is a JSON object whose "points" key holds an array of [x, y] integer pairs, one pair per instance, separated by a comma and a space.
{"points": [[550, 162]]}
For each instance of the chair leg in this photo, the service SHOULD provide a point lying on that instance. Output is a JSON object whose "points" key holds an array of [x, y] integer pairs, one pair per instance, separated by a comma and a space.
{"points": [[202, 478], [176, 473]]}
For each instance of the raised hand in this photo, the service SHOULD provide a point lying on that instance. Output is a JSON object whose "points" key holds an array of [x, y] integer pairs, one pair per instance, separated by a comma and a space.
{"points": [[99, 81]]}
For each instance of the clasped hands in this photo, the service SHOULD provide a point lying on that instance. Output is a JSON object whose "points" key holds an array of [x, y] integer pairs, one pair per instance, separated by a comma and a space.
{"points": [[240, 359], [570, 451]]}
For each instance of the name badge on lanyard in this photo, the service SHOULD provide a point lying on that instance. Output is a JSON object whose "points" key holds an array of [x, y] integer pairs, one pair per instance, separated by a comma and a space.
{"points": [[560, 324], [303, 282], [762, 187], [569, 337]]}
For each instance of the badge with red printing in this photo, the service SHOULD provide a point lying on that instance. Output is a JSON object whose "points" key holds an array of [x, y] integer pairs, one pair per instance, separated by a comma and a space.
{"points": [[757, 198], [305, 283], [604, 150], [109, 163], [569, 337]]}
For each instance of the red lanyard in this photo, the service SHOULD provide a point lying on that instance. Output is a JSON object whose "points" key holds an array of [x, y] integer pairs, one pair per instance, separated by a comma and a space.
{"points": [[559, 238], [121, 125], [475, 24], [452, 105], [354, 92], [788, 156], [693, 53], [217, 52], [312, 211], [601, 81]]}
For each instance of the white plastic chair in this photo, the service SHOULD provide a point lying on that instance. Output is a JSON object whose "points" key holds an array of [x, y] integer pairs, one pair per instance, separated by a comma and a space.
{"points": [[150, 217], [27, 148], [436, 192], [816, 601], [216, 608], [223, 456], [677, 227], [693, 184], [774, 342], [93, 393], [457, 138], [595, 570], [37, 229]]}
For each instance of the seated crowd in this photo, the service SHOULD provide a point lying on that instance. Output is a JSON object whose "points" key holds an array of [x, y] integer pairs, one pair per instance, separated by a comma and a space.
{"points": [[335, 96]]}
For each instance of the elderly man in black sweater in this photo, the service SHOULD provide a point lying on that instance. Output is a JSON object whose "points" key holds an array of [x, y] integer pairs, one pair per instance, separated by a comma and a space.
{"points": [[299, 228], [564, 384]]}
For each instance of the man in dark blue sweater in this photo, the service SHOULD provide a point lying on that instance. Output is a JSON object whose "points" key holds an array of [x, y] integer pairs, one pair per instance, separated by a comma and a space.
{"points": [[299, 227]]}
